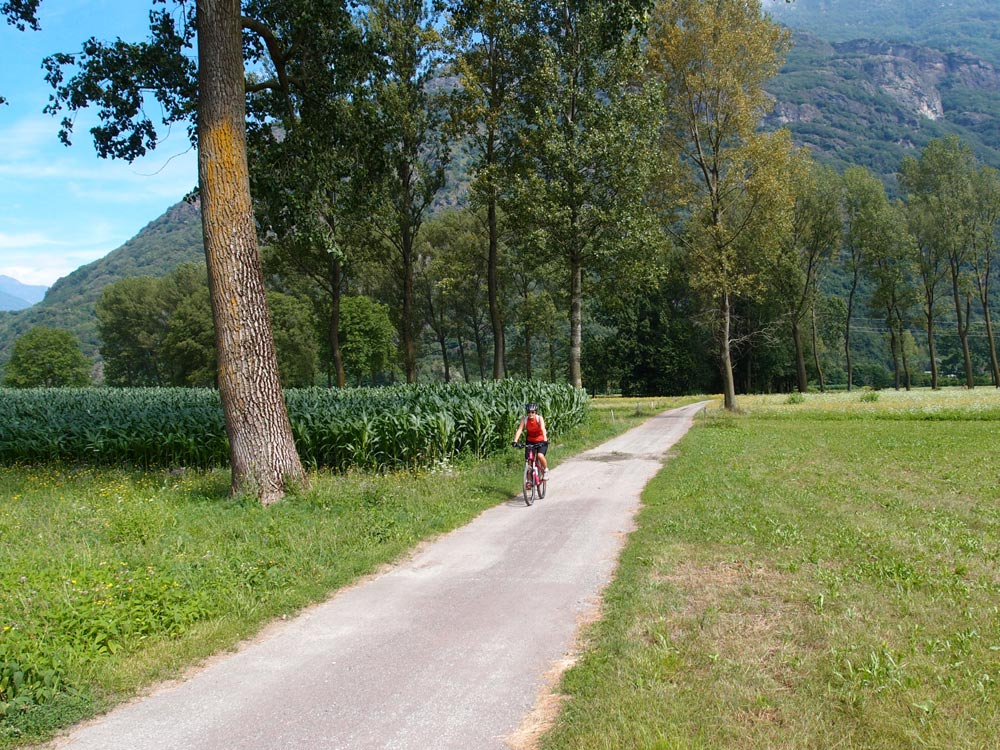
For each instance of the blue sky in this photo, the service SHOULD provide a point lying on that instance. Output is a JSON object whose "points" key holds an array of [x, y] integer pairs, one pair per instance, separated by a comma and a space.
{"points": [[61, 207]]}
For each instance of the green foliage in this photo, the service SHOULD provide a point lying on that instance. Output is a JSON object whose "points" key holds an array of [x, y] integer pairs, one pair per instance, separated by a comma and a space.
{"points": [[377, 428], [367, 338], [294, 339], [47, 357]]}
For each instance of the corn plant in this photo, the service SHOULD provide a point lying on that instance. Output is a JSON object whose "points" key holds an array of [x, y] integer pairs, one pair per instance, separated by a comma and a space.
{"points": [[373, 429]]}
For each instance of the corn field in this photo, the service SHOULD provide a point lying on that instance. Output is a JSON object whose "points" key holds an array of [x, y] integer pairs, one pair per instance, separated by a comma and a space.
{"points": [[366, 428]]}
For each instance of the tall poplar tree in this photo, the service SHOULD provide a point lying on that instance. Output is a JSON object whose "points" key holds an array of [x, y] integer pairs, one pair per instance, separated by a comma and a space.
{"points": [[410, 128], [488, 36], [711, 59], [587, 144], [942, 185], [863, 206], [807, 248]]}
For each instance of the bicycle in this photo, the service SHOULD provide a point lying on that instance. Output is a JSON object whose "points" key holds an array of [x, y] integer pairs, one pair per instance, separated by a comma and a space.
{"points": [[534, 481]]}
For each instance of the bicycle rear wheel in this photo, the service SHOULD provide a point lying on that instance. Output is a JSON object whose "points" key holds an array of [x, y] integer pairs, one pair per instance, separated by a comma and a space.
{"points": [[542, 486]]}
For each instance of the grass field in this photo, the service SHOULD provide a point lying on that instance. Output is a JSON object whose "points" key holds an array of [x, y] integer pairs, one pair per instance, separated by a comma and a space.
{"points": [[817, 573], [111, 580]]}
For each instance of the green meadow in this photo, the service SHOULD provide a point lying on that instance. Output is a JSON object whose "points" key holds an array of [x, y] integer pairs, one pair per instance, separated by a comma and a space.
{"points": [[814, 572]]}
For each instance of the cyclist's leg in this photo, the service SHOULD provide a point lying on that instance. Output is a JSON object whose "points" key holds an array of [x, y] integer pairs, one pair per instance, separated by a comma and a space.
{"points": [[542, 461]]}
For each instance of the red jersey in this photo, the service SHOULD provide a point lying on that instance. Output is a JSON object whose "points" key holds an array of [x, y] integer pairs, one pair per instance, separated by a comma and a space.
{"points": [[533, 428]]}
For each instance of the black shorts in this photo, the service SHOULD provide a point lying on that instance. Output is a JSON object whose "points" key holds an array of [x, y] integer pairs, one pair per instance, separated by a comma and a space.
{"points": [[538, 447]]}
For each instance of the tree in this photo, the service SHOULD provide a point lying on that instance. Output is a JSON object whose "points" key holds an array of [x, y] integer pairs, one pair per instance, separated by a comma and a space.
{"points": [[314, 157], [815, 234], [47, 357], [294, 339], [588, 146], [117, 76], [367, 337], [711, 59], [983, 249], [931, 255], [489, 35], [942, 187], [187, 348], [131, 322], [863, 207], [889, 263], [412, 138]]}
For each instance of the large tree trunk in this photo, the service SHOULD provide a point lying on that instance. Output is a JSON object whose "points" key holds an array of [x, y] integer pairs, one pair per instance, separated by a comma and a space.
{"points": [[728, 386], [262, 449]]}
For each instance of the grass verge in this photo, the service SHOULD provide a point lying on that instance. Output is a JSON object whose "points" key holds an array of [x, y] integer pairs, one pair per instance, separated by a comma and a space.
{"points": [[111, 580], [798, 581]]}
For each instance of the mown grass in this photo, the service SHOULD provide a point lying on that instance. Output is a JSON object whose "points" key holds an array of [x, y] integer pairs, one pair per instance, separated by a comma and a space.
{"points": [[111, 580], [803, 577]]}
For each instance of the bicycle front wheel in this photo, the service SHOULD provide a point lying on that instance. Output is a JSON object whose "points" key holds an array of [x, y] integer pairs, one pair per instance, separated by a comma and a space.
{"points": [[528, 488]]}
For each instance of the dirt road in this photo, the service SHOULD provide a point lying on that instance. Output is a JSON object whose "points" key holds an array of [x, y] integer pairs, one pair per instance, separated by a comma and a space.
{"points": [[449, 649]]}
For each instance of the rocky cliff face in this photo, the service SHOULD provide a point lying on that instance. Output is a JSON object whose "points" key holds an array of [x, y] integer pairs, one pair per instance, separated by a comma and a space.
{"points": [[914, 76]]}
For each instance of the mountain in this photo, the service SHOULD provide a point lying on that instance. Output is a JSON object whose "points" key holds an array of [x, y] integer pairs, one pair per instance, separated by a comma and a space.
{"points": [[161, 246], [872, 102], [968, 26], [16, 296]]}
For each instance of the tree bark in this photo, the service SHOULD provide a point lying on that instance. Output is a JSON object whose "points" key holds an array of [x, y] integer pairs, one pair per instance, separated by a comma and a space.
{"points": [[493, 285], [962, 320], [264, 460], [576, 320], [800, 358], [815, 345], [728, 386], [336, 275]]}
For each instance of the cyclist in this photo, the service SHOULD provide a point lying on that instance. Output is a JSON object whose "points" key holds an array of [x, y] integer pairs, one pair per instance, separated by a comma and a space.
{"points": [[533, 424]]}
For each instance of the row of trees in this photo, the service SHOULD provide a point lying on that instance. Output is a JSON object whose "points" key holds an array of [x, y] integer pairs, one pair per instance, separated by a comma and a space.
{"points": [[612, 145]]}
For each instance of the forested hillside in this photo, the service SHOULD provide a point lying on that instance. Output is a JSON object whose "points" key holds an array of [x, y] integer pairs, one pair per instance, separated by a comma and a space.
{"points": [[165, 243], [960, 25], [871, 102]]}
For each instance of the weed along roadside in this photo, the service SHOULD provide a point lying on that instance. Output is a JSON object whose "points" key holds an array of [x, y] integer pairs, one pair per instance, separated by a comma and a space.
{"points": [[112, 579], [810, 573]]}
